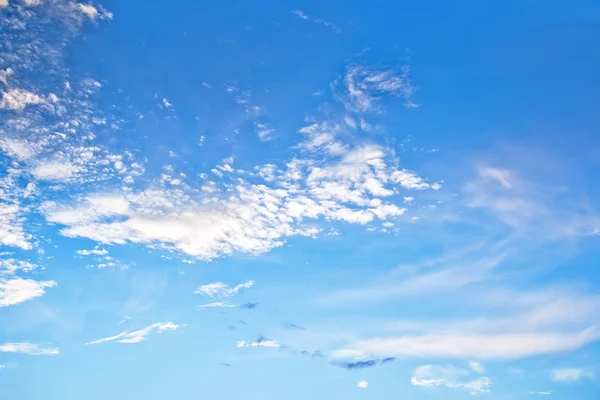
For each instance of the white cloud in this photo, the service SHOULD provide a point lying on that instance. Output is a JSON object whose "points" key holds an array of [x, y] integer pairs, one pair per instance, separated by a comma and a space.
{"points": [[571, 375], [503, 176], [321, 21], [97, 252], [258, 343], [365, 86], [322, 137], [18, 99], [216, 304], [356, 184], [94, 13], [89, 10], [477, 367], [20, 149], [540, 393], [28, 348], [55, 170], [300, 14], [31, 3], [96, 208], [220, 289], [11, 229], [264, 132], [362, 384], [489, 346], [449, 376], [10, 266], [531, 207], [139, 335], [441, 276], [500, 346], [16, 290]]}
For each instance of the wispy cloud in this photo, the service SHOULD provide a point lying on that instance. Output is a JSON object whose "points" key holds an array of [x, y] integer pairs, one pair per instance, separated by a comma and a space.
{"points": [[28, 348], [303, 16], [365, 87], [220, 289], [436, 276], [260, 342], [217, 304], [362, 384], [533, 208], [571, 375], [139, 335], [477, 367], [500, 346], [430, 376]]}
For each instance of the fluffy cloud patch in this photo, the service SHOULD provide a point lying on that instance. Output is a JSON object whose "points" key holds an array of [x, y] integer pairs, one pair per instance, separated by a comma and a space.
{"points": [[14, 289], [96, 252], [18, 99], [362, 384], [55, 170], [17, 290]]}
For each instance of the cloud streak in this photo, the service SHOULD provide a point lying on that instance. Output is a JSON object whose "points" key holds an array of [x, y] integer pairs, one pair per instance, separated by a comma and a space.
{"points": [[220, 289], [28, 348], [139, 335]]}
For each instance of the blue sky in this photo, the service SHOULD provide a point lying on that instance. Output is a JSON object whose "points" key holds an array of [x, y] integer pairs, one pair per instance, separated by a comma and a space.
{"points": [[299, 199]]}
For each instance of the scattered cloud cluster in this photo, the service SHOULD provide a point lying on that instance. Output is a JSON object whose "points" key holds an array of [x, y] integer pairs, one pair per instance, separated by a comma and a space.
{"points": [[245, 217]]}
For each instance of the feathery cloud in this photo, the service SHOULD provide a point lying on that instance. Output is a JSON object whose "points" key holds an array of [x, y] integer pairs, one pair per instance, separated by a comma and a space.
{"points": [[571, 375], [139, 335], [28, 348], [448, 376], [220, 289]]}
